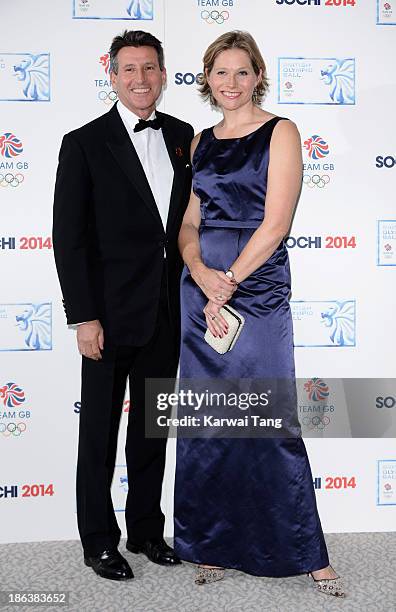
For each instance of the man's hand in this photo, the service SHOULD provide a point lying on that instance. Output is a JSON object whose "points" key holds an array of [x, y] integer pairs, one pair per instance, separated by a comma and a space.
{"points": [[90, 339]]}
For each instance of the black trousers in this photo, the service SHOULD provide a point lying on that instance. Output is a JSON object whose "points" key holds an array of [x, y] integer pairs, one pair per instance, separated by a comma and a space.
{"points": [[102, 396]]}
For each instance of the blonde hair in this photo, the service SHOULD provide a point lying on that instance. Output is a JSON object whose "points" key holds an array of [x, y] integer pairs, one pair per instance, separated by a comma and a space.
{"points": [[234, 40]]}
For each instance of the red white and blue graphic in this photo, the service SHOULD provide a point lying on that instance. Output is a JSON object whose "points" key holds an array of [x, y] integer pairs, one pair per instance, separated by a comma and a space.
{"points": [[12, 167], [317, 167], [314, 409], [13, 413], [316, 389], [10, 145], [103, 86], [12, 395], [317, 147], [105, 61]]}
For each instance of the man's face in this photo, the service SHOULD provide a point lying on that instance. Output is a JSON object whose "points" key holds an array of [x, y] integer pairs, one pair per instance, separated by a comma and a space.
{"points": [[139, 80]]}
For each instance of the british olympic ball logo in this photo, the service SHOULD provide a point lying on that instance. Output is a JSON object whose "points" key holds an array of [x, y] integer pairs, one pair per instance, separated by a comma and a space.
{"points": [[386, 14], [386, 482], [25, 77], [12, 416], [11, 169], [386, 242], [316, 80], [26, 327], [324, 323], [138, 10]]}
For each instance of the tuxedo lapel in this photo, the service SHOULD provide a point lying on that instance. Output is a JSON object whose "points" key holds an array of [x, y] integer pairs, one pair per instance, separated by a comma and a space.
{"points": [[124, 152], [173, 147]]}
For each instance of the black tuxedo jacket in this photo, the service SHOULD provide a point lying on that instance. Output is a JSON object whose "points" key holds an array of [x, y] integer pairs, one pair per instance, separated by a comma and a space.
{"points": [[107, 232]]}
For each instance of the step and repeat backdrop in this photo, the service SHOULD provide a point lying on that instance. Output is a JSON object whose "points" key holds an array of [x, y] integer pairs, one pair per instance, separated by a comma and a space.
{"points": [[331, 70]]}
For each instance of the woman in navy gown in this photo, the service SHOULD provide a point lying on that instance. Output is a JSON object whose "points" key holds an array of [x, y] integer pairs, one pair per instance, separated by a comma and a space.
{"points": [[247, 504]]}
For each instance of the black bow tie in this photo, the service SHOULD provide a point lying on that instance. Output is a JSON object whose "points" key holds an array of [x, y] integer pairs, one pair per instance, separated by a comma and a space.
{"points": [[155, 124]]}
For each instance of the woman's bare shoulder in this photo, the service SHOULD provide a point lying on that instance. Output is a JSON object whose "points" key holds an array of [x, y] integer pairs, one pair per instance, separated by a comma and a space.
{"points": [[285, 129]]}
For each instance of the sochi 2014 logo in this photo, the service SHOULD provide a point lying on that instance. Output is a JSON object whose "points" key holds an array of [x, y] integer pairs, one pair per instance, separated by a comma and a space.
{"points": [[103, 84], [315, 411], [316, 170], [11, 168], [215, 11], [12, 417], [326, 3]]}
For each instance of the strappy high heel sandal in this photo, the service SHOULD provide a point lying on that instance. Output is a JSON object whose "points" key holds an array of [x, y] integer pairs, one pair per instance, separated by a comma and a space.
{"points": [[205, 575], [329, 586]]}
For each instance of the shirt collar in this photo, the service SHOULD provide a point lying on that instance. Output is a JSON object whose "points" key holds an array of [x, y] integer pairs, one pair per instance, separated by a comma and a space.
{"points": [[129, 117]]}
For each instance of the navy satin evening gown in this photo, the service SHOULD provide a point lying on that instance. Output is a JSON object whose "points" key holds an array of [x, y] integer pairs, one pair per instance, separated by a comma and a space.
{"points": [[247, 504]]}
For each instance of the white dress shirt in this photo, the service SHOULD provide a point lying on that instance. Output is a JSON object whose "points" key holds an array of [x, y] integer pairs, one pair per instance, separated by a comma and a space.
{"points": [[153, 154]]}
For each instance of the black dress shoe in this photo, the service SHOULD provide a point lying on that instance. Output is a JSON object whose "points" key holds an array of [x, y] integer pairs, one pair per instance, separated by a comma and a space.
{"points": [[157, 551], [110, 564]]}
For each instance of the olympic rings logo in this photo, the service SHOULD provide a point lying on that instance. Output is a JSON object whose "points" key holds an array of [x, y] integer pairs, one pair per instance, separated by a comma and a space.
{"points": [[316, 422], [11, 180], [108, 97], [215, 16], [12, 429], [315, 180]]}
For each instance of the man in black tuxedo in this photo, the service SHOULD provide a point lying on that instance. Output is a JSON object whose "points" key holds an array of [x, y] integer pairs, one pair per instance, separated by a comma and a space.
{"points": [[122, 186]]}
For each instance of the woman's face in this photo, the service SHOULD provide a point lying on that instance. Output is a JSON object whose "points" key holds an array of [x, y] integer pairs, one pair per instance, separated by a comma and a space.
{"points": [[232, 79]]}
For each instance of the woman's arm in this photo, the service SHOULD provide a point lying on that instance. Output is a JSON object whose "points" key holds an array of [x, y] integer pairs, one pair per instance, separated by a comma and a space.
{"points": [[284, 185], [188, 236], [214, 283]]}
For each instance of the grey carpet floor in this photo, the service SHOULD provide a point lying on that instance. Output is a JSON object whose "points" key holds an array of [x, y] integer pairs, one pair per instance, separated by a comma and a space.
{"points": [[367, 562]]}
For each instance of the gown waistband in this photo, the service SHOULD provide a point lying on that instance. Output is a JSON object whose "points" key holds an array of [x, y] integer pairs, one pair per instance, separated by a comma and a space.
{"points": [[252, 224]]}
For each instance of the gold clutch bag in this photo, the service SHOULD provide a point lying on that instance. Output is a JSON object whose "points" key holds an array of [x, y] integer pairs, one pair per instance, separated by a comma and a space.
{"points": [[235, 324]]}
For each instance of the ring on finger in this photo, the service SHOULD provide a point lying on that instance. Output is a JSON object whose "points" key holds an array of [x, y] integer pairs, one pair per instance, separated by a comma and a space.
{"points": [[213, 317]]}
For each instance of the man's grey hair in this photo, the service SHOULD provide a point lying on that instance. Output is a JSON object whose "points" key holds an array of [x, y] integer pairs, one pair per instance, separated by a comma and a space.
{"points": [[134, 38]]}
